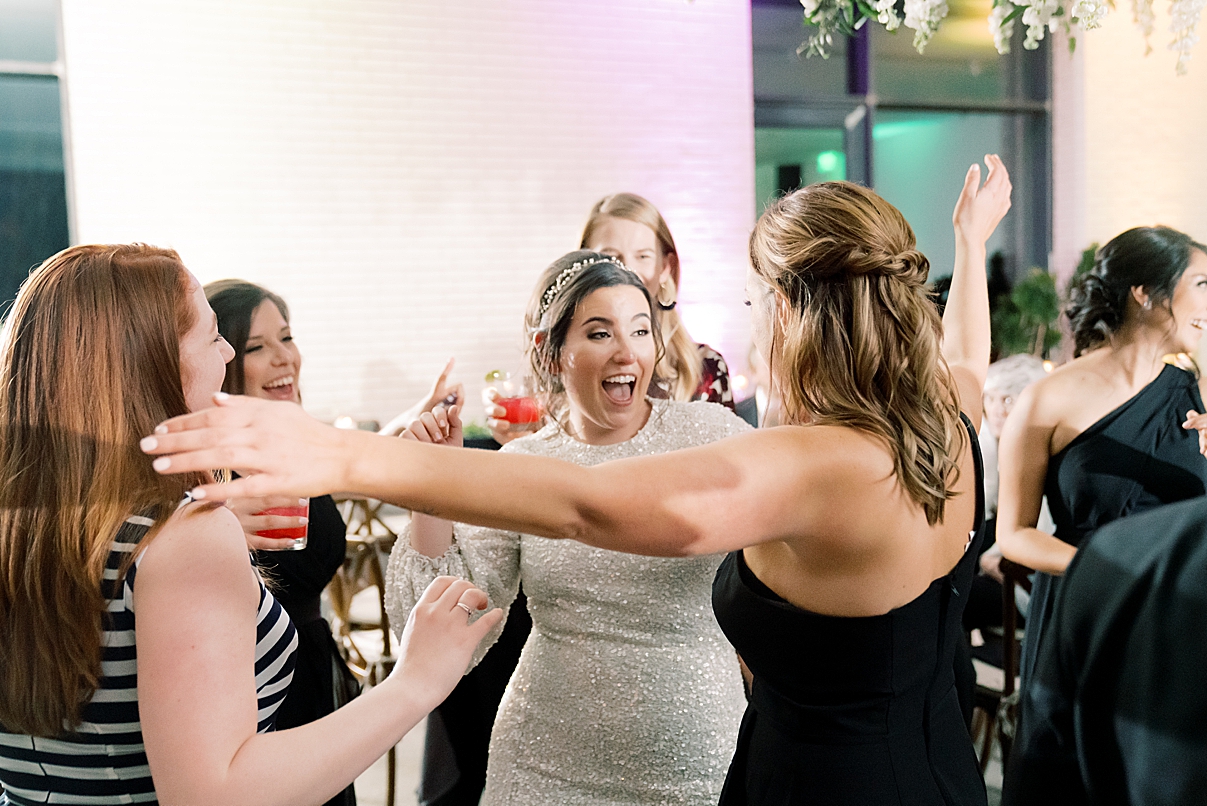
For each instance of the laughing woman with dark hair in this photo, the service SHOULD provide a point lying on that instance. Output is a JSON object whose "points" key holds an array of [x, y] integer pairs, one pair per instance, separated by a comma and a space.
{"points": [[1101, 436], [268, 364], [626, 691]]}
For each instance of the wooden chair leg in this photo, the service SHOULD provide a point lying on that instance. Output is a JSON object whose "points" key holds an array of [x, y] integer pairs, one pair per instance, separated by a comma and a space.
{"points": [[391, 775]]}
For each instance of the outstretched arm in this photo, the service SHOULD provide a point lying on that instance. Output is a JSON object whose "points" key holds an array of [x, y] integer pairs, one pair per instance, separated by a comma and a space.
{"points": [[728, 494], [966, 318]]}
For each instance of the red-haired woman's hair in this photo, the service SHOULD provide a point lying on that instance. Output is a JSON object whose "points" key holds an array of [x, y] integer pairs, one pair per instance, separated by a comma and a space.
{"points": [[90, 364]]}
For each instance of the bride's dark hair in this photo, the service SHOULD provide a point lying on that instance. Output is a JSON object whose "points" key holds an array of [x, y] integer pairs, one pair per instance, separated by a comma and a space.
{"points": [[1153, 258]]}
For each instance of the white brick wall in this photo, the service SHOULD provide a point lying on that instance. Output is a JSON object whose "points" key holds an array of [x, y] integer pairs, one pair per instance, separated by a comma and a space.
{"points": [[401, 170], [1144, 130]]}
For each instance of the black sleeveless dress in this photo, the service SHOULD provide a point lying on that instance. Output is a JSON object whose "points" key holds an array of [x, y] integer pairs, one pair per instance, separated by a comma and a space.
{"points": [[1134, 459], [859, 711]]}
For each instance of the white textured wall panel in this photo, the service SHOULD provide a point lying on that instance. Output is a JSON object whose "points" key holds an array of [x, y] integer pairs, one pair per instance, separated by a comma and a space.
{"points": [[401, 170], [1144, 131]]}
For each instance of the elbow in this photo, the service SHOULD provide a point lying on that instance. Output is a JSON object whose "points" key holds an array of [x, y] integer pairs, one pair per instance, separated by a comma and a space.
{"points": [[1011, 544]]}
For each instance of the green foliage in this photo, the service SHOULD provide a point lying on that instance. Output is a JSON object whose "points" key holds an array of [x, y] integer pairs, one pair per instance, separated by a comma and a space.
{"points": [[1084, 265], [475, 431], [1025, 321]]}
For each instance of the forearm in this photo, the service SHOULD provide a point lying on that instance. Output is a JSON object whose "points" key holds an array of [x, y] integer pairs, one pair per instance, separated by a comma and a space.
{"points": [[527, 494], [623, 506], [1036, 549], [314, 762], [966, 339], [430, 536]]}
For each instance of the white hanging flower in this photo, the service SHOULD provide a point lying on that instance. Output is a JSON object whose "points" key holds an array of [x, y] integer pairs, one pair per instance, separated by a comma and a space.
{"points": [[1039, 15], [886, 13], [1001, 29], [827, 16], [1088, 13], [1184, 18], [924, 16], [1143, 17]]}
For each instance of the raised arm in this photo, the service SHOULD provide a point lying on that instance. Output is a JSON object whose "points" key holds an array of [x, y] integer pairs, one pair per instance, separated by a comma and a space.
{"points": [[728, 494], [966, 318]]}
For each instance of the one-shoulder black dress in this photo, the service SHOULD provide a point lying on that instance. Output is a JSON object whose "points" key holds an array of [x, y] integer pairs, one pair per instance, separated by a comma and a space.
{"points": [[851, 711], [1134, 459]]}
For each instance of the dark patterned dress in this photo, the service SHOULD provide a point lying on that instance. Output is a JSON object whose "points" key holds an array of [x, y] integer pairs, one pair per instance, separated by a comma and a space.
{"points": [[714, 381], [714, 378]]}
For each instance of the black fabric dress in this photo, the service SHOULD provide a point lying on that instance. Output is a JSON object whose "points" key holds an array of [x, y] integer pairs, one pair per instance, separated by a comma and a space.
{"points": [[1117, 707], [851, 711], [321, 681], [1134, 459]]}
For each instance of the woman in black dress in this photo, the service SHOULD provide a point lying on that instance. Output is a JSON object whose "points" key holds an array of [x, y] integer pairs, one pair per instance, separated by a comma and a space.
{"points": [[858, 520], [267, 364], [1102, 436]]}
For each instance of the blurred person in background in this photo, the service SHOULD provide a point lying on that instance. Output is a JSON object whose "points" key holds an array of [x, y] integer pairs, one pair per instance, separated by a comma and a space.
{"points": [[268, 364]]}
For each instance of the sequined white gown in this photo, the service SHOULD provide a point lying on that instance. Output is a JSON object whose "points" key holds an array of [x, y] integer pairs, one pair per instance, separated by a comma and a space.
{"points": [[626, 692]]}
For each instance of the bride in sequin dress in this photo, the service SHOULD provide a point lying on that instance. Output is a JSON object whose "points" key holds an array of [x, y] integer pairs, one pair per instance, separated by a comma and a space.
{"points": [[627, 692]]}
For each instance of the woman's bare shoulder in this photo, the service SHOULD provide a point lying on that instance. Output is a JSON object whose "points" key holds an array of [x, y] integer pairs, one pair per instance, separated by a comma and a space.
{"points": [[196, 540]]}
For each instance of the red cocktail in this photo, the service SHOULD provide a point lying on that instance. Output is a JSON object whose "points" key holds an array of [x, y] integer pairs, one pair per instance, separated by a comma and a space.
{"points": [[296, 533], [524, 413]]}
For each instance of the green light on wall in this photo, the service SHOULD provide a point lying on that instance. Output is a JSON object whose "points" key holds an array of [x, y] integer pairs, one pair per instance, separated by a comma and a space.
{"points": [[830, 163]]}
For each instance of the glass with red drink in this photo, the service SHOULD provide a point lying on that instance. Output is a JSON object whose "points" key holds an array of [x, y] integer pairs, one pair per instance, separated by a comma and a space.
{"points": [[297, 533], [523, 411]]}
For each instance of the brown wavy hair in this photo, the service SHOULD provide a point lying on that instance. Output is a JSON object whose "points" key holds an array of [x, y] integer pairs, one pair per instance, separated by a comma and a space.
{"points": [[857, 343], [680, 368], [90, 364]]}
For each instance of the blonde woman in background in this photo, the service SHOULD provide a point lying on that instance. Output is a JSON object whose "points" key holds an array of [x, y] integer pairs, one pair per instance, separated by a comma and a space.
{"points": [[629, 227]]}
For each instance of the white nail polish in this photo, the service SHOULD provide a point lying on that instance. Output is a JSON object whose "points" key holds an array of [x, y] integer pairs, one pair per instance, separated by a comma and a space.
{"points": [[148, 443], [162, 463]]}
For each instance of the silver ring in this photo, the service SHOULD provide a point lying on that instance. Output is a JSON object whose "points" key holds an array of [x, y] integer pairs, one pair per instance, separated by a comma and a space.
{"points": [[465, 607]]}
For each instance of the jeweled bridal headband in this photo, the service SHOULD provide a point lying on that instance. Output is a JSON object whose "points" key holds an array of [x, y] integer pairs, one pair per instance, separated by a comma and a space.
{"points": [[566, 275]]}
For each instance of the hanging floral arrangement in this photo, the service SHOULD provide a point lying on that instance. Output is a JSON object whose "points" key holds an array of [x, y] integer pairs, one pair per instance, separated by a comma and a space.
{"points": [[923, 17]]}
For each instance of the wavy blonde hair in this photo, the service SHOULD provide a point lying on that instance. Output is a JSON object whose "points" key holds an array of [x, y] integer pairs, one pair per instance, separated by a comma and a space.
{"points": [[857, 343], [680, 365], [90, 364]]}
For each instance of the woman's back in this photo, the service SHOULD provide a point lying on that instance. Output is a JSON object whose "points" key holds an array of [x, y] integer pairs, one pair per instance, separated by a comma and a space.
{"points": [[837, 701]]}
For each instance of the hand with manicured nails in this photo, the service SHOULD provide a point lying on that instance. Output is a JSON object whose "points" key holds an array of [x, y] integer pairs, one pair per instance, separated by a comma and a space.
{"points": [[981, 208], [278, 448], [1198, 422], [439, 638], [439, 426]]}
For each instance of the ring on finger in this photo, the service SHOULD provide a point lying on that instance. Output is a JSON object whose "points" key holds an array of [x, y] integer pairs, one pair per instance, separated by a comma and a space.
{"points": [[465, 607]]}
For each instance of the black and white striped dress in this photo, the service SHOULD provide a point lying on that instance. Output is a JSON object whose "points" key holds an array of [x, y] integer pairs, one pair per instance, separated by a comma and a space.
{"points": [[102, 761]]}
